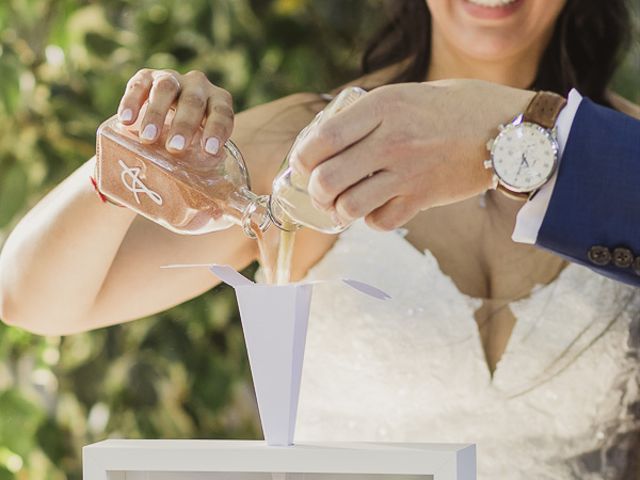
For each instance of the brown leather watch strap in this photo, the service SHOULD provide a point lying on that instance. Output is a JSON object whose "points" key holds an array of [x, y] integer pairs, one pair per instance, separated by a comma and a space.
{"points": [[544, 109]]}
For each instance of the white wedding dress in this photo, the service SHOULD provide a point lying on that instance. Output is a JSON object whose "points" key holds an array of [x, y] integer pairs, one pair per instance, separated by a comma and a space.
{"points": [[564, 401]]}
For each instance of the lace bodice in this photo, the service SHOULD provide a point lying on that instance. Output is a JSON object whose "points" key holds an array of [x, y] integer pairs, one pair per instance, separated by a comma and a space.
{"points": [[563, 403]]}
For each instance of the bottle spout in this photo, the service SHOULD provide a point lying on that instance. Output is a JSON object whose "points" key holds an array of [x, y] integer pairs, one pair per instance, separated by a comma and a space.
{"points": [[250, 211]]}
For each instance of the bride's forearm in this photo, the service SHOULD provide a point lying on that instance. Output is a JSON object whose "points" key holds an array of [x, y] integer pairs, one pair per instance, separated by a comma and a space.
{"points": [[54, 262]]}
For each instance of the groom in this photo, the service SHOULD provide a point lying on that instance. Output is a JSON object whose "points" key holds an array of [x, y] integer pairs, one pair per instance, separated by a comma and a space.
{"points": [[574, 165]]}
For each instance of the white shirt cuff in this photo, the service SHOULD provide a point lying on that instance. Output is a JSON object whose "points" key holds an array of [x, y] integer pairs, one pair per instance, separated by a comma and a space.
{"points": [[532, 213]]}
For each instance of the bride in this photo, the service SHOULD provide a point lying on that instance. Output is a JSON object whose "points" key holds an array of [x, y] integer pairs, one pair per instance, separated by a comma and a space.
{"points": [[485, 340]]}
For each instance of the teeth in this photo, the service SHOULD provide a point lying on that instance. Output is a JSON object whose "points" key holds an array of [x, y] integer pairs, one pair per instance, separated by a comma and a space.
{"points": [[491, 3]]}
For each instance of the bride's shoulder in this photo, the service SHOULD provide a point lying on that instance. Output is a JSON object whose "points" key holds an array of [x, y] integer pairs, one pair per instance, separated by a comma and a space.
{"points": [[623, 105], [286, 115], [265, 132]]}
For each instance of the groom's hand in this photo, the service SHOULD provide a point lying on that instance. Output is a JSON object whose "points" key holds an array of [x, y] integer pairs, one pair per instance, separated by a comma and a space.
{"points": [[406, 147]]}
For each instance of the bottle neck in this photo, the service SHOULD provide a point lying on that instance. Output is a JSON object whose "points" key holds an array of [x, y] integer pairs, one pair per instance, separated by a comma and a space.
{"points": [[249, 210]]}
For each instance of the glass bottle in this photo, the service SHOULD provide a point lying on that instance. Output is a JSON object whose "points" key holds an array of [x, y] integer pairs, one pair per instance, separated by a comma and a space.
{"points": [[290, 201], [192, 193], [197, 193]]}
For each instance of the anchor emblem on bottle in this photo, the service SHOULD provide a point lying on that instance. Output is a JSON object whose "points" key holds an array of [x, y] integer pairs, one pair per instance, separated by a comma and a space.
{"points": [[130, 177]]}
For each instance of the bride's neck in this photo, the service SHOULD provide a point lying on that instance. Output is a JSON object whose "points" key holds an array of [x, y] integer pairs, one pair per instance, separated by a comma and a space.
{"points": [[447, 61]]}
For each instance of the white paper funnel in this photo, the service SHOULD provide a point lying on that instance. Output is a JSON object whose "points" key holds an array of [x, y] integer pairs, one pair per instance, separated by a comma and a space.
{"points": [[274, 322]]}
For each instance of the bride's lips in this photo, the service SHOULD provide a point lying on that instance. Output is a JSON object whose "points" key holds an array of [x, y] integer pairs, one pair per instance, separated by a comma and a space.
{"points": [[491, 13]]}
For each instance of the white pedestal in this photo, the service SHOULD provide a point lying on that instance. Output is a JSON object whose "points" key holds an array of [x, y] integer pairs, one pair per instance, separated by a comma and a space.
{"points": [[254, 460]]}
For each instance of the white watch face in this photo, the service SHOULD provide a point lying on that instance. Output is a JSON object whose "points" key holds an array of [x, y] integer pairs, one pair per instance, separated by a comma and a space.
{"points": [[524, 156]]}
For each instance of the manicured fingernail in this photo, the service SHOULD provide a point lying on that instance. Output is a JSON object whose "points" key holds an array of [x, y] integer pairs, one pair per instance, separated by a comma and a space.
{"points": [[126, 115], [176, 142], [149, 132], [212, 145]]}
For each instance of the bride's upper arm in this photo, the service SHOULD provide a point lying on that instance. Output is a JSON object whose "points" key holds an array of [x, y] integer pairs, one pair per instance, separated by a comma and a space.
{"points": [[264, 134]]}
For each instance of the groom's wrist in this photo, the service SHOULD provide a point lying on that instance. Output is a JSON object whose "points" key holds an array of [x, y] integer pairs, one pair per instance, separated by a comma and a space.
{"points": [[531, 215], [504, 105]]}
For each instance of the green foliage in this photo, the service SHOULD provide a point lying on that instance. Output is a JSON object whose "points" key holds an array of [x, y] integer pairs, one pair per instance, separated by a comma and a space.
{"points": [[63, 68]]}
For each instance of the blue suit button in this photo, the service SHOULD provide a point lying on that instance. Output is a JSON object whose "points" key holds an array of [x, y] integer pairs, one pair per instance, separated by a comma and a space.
{"points": [[622, 257], [599, 255]]}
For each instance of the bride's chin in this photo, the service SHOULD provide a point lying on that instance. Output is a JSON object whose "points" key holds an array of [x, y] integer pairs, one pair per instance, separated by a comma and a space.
{"points": [[493, 48]]}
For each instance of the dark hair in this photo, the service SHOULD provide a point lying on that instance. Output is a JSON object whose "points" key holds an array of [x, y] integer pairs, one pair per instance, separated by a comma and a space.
{"points": [[587, 46]]}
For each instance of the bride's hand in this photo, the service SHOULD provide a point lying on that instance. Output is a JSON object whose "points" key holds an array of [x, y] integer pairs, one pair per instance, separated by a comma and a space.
{"points": [[196, 101], [404, 148]]}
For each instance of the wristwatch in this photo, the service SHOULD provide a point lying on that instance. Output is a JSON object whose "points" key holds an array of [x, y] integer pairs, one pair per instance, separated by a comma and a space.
{"points": [[524, 155]]}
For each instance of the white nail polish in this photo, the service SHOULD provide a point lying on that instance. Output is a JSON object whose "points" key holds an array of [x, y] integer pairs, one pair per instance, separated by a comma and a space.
{"points": [[176, 142], [149, 132], [212, 145], [126, 115]]}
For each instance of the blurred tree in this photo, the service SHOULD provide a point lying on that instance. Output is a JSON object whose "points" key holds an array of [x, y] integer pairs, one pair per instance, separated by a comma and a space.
{"points": [[63, 68]]}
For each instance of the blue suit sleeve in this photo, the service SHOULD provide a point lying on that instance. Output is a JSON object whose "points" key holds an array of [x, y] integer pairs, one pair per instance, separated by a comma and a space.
{"points": [[595, 205]]}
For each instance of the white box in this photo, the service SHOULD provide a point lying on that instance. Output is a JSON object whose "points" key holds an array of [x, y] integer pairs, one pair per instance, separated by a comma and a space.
{"points": [[255, 460]]}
